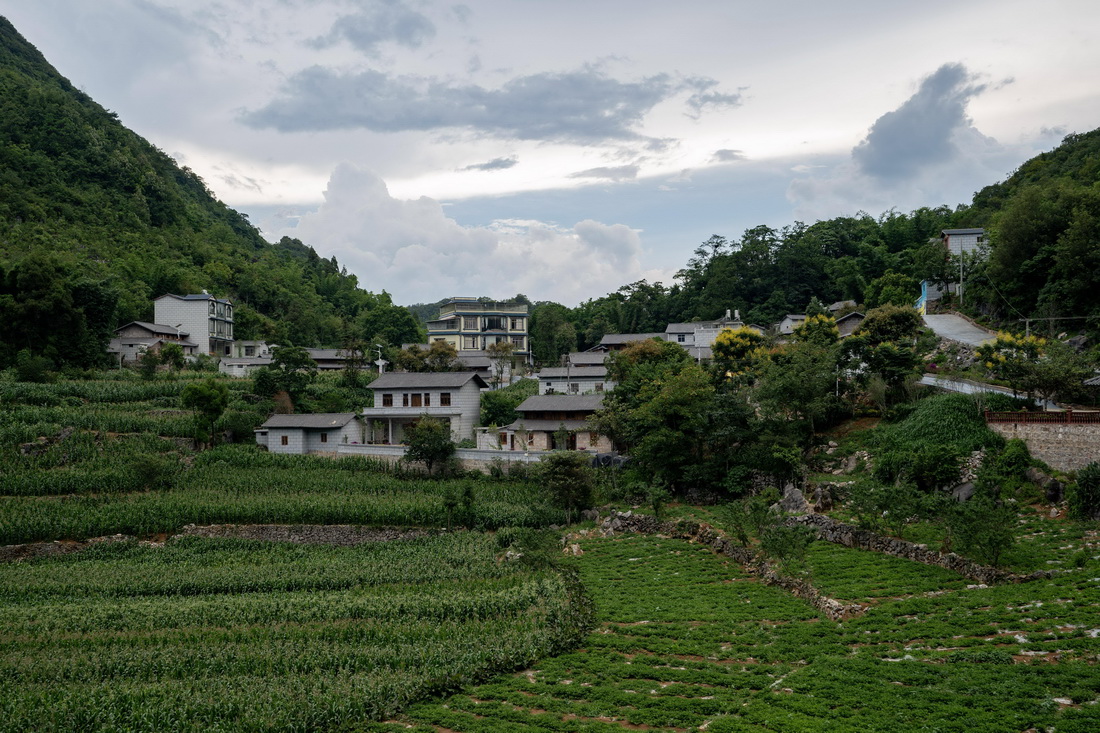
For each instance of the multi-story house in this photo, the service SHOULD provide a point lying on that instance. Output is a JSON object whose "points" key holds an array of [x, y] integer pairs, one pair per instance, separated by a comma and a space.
{"points": [[207, 319], [403, 398], [137, 337], [574, 380], [470, 324]]}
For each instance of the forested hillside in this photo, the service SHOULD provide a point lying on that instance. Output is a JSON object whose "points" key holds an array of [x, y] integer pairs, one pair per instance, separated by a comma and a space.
{"points": [[95, 222], [1043, 225]]}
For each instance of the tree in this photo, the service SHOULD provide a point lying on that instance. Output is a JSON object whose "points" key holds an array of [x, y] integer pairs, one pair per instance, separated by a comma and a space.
{"points": [[890, 323], [800, 382], [429, 441], [1008, 357], [292, 370], [818, 329], [172, 355], [735, 351], [893, 287], [500, 357], [568, 477], [208, 399]]}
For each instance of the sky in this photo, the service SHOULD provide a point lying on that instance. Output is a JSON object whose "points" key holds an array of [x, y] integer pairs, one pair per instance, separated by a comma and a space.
{"points": [[563, 149]]}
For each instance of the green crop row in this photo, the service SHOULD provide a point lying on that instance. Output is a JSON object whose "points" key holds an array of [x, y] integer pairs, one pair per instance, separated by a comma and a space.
{"points": [[236, 635]]}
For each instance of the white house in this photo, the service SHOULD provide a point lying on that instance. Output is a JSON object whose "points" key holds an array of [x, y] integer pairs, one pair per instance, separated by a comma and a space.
{"points": [[208, 320], [301, 434], [403, 398], [574, 380]]}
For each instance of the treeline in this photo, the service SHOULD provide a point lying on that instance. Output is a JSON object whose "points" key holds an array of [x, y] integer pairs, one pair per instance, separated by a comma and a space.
{"points": [[88, 206], [1043, 229]]}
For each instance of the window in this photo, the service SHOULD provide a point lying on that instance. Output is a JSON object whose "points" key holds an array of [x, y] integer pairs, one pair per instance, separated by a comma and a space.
{"points": [[494, 323], [517, 341], [592, 438], [469, 342], [469, 323], [284, 440], [445, 399], [427, 399], [250, 351], [416, 399], [681, 338], [517, 324], [405, 399], [599, 386], [387, 400], [574, 387], [324, 437], [504, 438]]}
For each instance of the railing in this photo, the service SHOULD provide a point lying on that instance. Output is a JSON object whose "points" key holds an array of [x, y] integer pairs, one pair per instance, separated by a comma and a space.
{"points": [[1069, 417]]}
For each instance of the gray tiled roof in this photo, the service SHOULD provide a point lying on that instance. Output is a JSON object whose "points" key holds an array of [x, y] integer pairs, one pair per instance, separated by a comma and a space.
{"points": [[547, 425], [586, 358], [629, 338], [579, 372], [962, 231], [425, 380], [318, 421], [561, 403]]}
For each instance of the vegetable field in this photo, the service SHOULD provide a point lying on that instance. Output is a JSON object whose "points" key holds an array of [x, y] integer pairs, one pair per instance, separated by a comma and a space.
{"points": [[688, 642]]}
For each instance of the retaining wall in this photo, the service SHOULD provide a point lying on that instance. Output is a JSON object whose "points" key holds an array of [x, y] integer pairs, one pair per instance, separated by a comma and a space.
{"points": [[1062, 447]]}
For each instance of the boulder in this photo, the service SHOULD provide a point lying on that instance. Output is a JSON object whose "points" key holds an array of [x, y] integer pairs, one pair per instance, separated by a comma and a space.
{"points": [[963, 491], [794, 502], [1055, 491]]}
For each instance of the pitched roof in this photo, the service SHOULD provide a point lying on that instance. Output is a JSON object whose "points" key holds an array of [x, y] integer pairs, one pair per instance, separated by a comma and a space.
{"points": [[547, 425], [426, 380], [585, 358], [159, 328], [579, 372], [561, 403], [629, 338], [962, 231], [200, 296], [318, 421]]}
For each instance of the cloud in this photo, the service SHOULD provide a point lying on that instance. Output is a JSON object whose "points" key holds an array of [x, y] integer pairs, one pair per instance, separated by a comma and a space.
{"points": [[923, 129], [704, 97], [379, 22], [727, 155], [615, 173], [496, 164], [417, 254], [585, 106]]}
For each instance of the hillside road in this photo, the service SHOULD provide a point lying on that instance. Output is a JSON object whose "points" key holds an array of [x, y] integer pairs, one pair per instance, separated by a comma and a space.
{"points": [[956, 328]]}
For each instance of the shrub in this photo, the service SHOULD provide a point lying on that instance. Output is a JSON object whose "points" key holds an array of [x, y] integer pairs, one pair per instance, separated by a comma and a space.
{"points": [[1084, 497]]}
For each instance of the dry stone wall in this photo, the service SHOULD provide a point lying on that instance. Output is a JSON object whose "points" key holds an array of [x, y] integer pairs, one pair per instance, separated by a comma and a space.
{"points": [[705, 535], [1063, 447]]}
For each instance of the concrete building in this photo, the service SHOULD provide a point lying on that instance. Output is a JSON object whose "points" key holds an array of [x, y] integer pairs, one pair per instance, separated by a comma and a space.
{"points": [[549, 422], [207, 320], [403, 398], [301, 434], [470, 324], [574, 380], [137, 337]]}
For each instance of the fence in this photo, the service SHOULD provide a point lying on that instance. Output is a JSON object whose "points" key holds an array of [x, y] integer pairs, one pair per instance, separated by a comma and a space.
{"points": [[1068, 417]]}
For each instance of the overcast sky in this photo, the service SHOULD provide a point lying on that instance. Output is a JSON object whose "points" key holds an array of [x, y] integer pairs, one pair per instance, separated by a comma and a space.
{"points": [[563, 149]]}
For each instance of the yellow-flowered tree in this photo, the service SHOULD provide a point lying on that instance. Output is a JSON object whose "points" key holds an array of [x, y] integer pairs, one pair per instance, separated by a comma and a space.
{"points": [[1009, 357], [735, 353]]}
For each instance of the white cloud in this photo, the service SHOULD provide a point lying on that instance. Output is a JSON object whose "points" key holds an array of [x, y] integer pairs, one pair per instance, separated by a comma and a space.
{"points": [[411, 249]]}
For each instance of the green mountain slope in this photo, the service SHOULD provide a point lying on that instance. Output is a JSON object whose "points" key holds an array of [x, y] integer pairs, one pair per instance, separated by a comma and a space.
{"points": [[95, 222]]}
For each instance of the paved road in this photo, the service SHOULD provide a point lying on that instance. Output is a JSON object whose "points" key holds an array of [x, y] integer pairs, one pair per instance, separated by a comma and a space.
{"points": [[966, 386], [956, 328]]}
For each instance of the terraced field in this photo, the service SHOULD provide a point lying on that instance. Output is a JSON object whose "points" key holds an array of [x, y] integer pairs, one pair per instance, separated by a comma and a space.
{"points": [[207, 634], [686, 641]]}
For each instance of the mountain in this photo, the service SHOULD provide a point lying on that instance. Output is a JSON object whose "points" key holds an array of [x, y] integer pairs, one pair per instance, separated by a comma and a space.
{"points": [[95, 222]]}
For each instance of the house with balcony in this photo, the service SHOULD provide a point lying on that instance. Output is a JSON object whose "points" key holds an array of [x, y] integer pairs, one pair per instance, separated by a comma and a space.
{"points": [[549, 422], [206, 319], [403, 398], [471, 324], [574, 380]]}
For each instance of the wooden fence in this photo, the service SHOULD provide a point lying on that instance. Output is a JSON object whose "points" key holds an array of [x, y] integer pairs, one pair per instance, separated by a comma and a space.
{"points": [[1068, 417]]}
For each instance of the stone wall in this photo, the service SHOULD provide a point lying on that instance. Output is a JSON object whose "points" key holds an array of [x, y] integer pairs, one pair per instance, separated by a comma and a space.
{"points": [[839, 533], [706, 535], [1062, 447]]}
